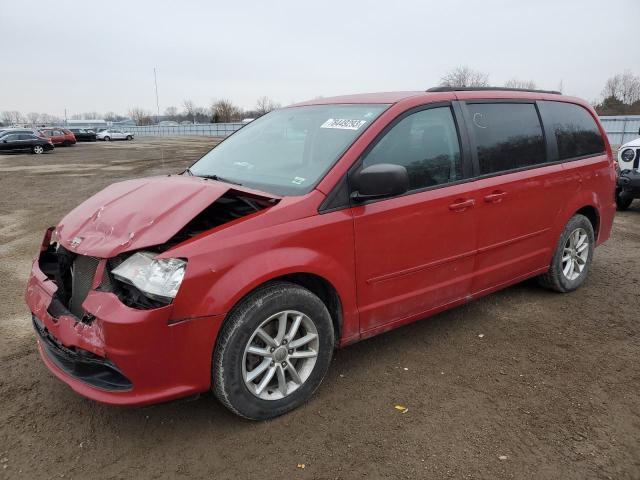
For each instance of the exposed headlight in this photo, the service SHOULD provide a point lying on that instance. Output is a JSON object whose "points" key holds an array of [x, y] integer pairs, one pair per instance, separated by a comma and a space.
{"points": [[158, 278], [627, 155]]}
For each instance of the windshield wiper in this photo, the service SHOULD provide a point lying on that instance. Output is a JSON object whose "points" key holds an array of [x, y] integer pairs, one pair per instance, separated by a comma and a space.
{"points": [[218, 178]]}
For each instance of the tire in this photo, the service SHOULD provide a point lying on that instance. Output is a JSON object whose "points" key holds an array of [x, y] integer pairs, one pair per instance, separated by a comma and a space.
{"points": [[66, 143], [37, 149], [129, 137], [107, 139], [557, 278], [262, 309], [622, 201]]}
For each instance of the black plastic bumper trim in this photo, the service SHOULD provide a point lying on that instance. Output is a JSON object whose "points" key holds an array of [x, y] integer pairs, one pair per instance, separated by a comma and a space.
{"points": [[81, 364]]}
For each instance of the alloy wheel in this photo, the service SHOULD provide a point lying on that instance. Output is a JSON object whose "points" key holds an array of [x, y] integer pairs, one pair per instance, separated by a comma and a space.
{"points": [[280, 355], [38, 149], [575, 254]]}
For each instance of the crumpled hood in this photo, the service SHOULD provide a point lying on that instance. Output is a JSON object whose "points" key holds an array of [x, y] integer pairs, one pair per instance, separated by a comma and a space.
{"points": [[136, 213]]}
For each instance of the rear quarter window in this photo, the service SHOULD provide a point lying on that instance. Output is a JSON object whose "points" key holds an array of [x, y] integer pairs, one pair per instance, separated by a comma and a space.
{"points": [[508, 136], [576, 132]]}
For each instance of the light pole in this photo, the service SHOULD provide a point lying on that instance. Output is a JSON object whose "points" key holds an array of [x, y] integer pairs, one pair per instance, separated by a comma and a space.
{"points": [[155, 79]]}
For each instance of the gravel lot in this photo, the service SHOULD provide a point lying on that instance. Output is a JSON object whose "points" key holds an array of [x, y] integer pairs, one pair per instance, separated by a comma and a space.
{"points": [[524, 383]]}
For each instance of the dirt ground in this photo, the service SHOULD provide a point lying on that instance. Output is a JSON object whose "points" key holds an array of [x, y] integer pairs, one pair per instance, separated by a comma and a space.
{"points": [[524, 383]]}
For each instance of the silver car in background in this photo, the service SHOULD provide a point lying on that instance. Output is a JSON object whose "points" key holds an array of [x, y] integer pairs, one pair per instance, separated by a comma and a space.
{"points": [[114, 134]]}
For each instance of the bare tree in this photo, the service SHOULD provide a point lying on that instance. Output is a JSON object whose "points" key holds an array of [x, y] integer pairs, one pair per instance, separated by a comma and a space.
{"points": [[624, 87], [265, 105], [171, 112], [140, 116], [464, 77], [11, 117], [33, 117], [517, 83], [48, 119], [224, 111], [113, 117], [190, 109]]}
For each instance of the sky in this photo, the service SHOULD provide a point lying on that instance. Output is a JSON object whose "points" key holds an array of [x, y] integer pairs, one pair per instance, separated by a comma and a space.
{"points": [[99, 56]]}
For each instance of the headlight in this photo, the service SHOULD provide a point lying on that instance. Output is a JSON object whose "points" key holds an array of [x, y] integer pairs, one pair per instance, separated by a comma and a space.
{"points": [[158, 278], [627, 155]]}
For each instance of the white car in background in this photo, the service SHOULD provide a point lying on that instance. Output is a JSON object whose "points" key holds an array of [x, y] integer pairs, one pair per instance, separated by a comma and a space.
{"points": [[114, 134], [628, 186]]}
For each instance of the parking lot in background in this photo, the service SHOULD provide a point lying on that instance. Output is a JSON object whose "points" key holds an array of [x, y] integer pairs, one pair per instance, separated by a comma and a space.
{"points": [[523, 383]]}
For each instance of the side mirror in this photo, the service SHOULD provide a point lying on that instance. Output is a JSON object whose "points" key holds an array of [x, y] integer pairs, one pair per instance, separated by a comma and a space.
{"points": [[379, 181]]}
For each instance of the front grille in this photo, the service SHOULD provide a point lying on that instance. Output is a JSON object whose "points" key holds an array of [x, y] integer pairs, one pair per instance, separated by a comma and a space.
{"points": [[83, 271]]}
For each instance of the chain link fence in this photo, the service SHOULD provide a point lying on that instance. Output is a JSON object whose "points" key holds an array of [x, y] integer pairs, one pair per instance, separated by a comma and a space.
{"points": [[621, 128], [195, 130]]}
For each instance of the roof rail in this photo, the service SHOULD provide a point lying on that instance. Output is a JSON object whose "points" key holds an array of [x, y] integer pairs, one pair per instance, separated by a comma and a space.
{"points": [[482, 89]]}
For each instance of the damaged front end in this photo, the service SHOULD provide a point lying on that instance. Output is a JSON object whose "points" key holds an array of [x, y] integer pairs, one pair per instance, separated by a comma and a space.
{"points": [[101, 295]]}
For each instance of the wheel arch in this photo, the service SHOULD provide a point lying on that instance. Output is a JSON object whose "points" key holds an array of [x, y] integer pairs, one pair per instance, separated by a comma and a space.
{"points": [[584, 203], [317, 284], [593, 215]]}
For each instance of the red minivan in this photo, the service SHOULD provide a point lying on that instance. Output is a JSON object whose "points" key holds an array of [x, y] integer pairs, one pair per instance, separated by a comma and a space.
{"points": [[311, 228]]}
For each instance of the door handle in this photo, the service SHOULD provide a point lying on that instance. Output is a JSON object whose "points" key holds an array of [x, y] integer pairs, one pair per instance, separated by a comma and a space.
{"points": [[495, 197], [461, 205]]}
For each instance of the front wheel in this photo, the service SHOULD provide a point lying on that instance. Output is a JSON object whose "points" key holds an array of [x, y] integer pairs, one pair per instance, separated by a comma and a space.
{"points": [[273, 351], [107, 139], [37, 149], [573, 256], [129, 137], [622, 201]]}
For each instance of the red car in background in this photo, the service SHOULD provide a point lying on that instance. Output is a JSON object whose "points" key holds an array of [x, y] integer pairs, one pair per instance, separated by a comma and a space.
{"points": [[59, 136]]}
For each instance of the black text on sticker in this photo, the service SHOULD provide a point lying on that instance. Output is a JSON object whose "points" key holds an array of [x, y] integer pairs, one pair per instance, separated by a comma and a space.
{"points": [[343, 123]]}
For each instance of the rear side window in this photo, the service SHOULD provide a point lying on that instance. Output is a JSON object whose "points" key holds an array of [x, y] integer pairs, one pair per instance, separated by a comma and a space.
{"points": [[575, 129], [508, 136], [426, 144]]}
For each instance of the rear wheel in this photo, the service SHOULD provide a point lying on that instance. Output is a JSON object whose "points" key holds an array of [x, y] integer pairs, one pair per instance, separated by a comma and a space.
{"points": [[273, 351], [623, 201], [37, 149], [572, 259]]}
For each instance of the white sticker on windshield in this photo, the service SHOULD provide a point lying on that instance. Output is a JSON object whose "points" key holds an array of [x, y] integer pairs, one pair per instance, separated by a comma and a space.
{"points": [[343, 124], [298, 180]]}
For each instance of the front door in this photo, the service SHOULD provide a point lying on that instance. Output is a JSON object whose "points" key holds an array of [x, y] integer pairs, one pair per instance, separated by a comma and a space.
{"points": [[415, 252]]}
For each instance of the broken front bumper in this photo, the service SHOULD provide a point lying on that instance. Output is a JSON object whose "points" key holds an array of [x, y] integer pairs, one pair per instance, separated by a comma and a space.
{"points": [[123, 355]]}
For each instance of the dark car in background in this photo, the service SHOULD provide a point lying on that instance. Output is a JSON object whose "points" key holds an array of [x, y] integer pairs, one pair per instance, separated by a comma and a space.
{"points": [[59, 136], [24, 141], [83, 134], [8, 131]]}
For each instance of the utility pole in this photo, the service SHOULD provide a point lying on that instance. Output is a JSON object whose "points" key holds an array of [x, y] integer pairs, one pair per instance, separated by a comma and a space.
{"points": [[65, 116], [155, 79]]}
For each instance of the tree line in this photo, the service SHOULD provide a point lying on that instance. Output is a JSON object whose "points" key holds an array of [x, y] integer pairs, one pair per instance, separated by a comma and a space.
{"points": [[220, 111], [620, 96]]}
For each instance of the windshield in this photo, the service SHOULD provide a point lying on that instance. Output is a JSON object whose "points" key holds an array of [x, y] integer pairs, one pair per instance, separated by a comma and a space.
{"points": [[287, 152]]}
